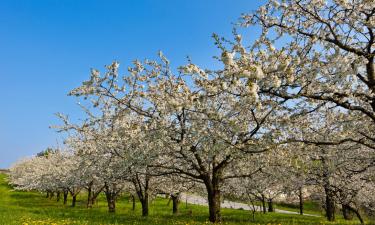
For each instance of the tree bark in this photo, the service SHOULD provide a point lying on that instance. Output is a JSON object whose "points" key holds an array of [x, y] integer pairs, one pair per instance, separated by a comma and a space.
{"points": [[300, 196], [65, 197], [270, 205], [356, 213], [89, 198], [176, 201], [346, 212], [74, 200], [142, 192], [329, 205], [214, 195], [144, 203], [264, 204], [111, 200], [58, 196]]}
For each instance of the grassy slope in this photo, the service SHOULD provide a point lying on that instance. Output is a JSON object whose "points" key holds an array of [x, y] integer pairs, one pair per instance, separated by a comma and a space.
{"points": [[33, 208]]}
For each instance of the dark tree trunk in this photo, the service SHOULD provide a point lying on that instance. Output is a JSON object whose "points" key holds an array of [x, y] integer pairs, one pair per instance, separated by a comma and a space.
{"points": [[329, 205], [144, 203], [264, 204], [58, 196], [270, 205], [300, 196], [74, 200], [47, 196], [65, 197], [142, 192], [111, 193], [214, 195], [94, 196], [176, 201], [356, 213], [111, 200], [347, 214], [89, 198]]}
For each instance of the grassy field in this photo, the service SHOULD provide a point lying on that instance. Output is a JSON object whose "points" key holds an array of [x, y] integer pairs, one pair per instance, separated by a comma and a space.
{"points": [[29, 208]]}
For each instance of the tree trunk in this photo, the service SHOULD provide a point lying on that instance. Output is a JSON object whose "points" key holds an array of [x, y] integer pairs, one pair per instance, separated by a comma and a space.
{"points": [[89, 198], [176, 201], [264, 204], [214, 195], [65, 197], [142, 192], [144, 202], [214, 206], [356, 213], [300, 196], [346, 212], [58, 196], [47, 196], [329, 205], [111, 205], [111, 200], [74, 200], [94, 196], [270, 205]]}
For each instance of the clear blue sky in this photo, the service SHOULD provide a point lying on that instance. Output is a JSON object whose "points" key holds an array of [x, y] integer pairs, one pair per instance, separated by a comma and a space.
{"points": [[48, 46]]}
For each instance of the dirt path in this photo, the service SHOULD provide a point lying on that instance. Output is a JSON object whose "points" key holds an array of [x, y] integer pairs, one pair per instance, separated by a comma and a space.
{"points": [[199, 200]]}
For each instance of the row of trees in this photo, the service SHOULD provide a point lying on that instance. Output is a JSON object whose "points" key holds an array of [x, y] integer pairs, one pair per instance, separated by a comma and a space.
{"points": [[295, 108]]}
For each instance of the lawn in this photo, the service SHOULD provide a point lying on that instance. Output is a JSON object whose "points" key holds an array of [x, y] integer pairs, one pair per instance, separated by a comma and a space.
{"points": [[30, 208]]}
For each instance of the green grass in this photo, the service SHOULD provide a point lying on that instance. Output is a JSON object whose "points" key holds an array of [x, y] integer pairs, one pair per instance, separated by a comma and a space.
{"points": [[309, 207], [29, 208]]}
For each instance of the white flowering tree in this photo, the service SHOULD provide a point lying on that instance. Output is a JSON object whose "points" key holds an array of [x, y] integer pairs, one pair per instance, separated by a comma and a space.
{"points": [[327, 56], [205, 121]]}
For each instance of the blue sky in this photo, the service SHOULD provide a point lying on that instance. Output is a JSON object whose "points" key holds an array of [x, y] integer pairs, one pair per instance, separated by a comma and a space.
{"points": [[47, 47]]}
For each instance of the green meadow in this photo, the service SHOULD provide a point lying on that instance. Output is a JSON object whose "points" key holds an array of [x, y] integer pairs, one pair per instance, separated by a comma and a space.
{"points": [[29, 208]]}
